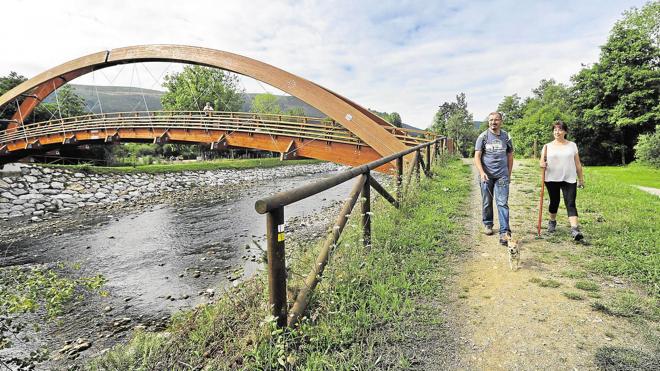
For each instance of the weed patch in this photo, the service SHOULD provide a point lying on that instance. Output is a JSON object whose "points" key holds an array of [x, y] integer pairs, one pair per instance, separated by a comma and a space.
{"points": [[587, 286], [545, 283]]}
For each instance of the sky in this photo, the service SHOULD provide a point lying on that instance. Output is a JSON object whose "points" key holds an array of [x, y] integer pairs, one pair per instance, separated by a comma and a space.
{"points": [[395, 56]]}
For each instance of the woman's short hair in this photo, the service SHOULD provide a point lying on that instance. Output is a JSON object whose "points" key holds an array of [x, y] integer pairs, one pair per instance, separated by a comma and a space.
{"points": [[560, 124]]}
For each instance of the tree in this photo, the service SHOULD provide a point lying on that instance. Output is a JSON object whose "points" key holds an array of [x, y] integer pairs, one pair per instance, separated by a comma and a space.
{"points": [[454, 121], [296, 111], [617, 98], [64, 102], [266, 103], [393, 118], [550, 102], [190, 89], [7, 83], [511, 108]]}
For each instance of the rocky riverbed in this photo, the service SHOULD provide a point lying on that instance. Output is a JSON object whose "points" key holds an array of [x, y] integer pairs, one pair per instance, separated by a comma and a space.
{"points": [[161, 251]]}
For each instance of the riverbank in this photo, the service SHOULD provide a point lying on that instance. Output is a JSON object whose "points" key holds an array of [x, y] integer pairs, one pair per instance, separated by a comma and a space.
{"points": [[158, 255], [39, 192], [357, 312], [179, 166]]}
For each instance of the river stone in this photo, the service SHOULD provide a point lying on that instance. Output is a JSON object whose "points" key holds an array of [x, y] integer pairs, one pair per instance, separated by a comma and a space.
{"points": [[31, 196], [18, 191], [30, 179], [3, 184], [38, 213], [8, 196], [63, 196], [39, 206], [35, 172], [28, 210], [19, 202], [40, 185], [57, 185], [50, 191], [15, 213], [79, 175]]}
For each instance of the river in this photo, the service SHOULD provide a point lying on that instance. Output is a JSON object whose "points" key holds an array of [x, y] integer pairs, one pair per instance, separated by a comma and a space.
{"points": [[158, 259]]}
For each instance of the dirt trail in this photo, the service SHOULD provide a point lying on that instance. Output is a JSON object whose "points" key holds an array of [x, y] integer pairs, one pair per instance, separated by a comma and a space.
{"points": [[507, 322]]}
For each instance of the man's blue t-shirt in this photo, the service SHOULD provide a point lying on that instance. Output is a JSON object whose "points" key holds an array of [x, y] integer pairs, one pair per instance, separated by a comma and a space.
{"points": [[494, 149]]}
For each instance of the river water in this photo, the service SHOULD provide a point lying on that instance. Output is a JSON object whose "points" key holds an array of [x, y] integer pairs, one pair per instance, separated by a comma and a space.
{"points": [[157, 260]]}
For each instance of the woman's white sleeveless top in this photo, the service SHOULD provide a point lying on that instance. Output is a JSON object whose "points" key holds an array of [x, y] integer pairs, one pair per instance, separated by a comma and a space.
{"points": [[561, 162]]}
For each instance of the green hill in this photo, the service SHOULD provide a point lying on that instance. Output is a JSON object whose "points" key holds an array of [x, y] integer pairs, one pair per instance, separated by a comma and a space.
{"points": [[129, 99]]}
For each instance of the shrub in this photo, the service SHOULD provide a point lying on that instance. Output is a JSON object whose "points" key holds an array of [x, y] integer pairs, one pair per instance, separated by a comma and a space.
{"points": [[647, 149]]}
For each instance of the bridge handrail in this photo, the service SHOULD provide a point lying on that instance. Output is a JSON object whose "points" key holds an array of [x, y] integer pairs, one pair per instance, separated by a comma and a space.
{"points": [[306, 127]]}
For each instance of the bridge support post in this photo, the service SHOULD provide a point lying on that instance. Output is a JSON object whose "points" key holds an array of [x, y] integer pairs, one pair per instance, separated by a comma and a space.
{"points": [[366, 211], [428, 161], [399, 179], [276, 265]]}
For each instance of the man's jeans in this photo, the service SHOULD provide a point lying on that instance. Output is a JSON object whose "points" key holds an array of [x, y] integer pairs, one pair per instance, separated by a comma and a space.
{"points": [[498, 187]]}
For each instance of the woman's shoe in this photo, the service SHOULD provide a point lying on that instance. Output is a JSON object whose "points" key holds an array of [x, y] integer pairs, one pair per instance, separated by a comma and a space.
{"points": [[576, 234], [552, 226]]}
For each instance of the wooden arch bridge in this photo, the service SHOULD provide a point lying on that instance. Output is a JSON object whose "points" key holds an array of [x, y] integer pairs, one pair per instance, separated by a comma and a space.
{"points": [[352, 135]]}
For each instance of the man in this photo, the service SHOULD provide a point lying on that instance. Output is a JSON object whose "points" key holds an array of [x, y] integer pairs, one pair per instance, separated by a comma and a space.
{"points": [[493, 157], [208, 108]]}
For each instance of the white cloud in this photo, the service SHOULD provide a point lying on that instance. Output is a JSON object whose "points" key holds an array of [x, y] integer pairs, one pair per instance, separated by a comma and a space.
{"points": [[407, 56]]}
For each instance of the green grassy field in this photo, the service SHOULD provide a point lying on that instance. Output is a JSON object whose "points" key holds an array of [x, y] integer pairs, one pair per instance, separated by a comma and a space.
{"points": [[633, 174], [623, 223], [360, 308], [188, 166]]}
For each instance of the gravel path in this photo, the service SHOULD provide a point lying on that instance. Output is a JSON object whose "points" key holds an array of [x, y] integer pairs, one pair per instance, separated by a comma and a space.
{"points": [[505, 321]]}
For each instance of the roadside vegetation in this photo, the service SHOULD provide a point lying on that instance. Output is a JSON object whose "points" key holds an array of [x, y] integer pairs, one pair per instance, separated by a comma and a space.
{"points": [[356, 312], [188, 166]]}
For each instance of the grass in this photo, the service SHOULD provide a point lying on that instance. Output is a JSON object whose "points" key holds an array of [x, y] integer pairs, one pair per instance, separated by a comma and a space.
{"points": [[573, 295], [187, 166], [587, 285], [633, 174], [366, 303], [545, 283], [629, 304], [622, 223]]}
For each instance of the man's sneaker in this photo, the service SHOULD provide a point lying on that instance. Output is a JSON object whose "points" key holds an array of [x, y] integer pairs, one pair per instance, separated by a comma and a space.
{"points": [[488, 230], [503, 240], [576, 234], [552, 226]]}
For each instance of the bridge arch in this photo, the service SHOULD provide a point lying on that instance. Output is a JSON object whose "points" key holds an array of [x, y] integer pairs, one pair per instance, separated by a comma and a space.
{"points": [[359, 121]]}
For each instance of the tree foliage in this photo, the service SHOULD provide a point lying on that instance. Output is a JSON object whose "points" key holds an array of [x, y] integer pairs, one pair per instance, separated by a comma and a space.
{"points": [[647, 150], [616, 99], [266, 103], [64, 102], [190, 89], [531, 121], [393, 118], [453, 120]]}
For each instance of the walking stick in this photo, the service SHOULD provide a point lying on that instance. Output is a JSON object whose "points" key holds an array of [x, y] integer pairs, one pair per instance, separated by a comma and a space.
{"points": [[538, 225]]}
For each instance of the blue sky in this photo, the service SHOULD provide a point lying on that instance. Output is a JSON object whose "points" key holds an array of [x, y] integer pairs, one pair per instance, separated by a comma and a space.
{"points": [[403, 56]]}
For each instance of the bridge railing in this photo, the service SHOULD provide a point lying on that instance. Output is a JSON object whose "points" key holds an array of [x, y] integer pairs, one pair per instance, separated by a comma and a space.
{"points": [[273, 207], [269, 124]]}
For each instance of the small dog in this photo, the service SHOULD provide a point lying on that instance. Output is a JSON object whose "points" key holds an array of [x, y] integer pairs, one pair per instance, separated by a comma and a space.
{"points": [[514, 252]]}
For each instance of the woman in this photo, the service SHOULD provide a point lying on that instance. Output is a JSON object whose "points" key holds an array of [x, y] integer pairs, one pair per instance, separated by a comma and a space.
{"points": [[563, 171]]}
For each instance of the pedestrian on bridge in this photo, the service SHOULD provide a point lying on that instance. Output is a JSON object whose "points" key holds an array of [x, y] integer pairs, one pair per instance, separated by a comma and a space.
{"points": [[493, 157], [208, 108]]}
